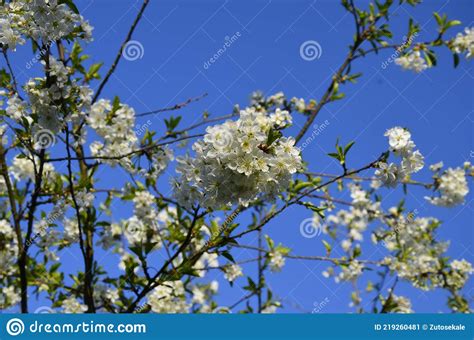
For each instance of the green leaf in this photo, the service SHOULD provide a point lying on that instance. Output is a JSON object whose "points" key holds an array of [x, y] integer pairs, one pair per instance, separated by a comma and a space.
{"points": [[70, 4], [312, 207], [273, 135], [270, 242], [328, 247], [439, 20], [453, 23], [172, 123], [337, 96], [430, 58], [252, 286], [301, 185], [93, 72], [456, 59], [228, 256], [348, 147], [4, 78]]}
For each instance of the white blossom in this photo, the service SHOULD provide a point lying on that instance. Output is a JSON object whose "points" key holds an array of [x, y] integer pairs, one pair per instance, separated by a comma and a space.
{"points": [[72, 306], [168, 298], [232, 272], [388, 174], [398, 138], [24, 169], [277, 260], [452, 187], [412, 61], [233, 164], [465, 42], [350, 272]]}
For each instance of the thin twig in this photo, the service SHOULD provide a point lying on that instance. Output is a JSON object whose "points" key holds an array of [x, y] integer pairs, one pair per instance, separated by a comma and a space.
{"points": [[174, 107], [119, 54]]}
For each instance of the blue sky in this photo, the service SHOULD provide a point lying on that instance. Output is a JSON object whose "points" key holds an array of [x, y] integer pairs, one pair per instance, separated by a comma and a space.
{"points": [[178, 37]]}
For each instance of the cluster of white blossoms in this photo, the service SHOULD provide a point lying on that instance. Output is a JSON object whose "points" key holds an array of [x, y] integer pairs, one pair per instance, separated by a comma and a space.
{"points": [[158, 162], [72, 306], [399, 304], [413, 61], [169, 297], [8, 259], [412, 160], [49, 105], [46, 20], [354, 221], [71, 230], [459, 274], [465, 42], [350, 272], [239, 161], [277, 260], [143, 226], [115, 124], [200, 294], [9, 296], [452, 187], [232, 272], [24, 169], [418, 253]]}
